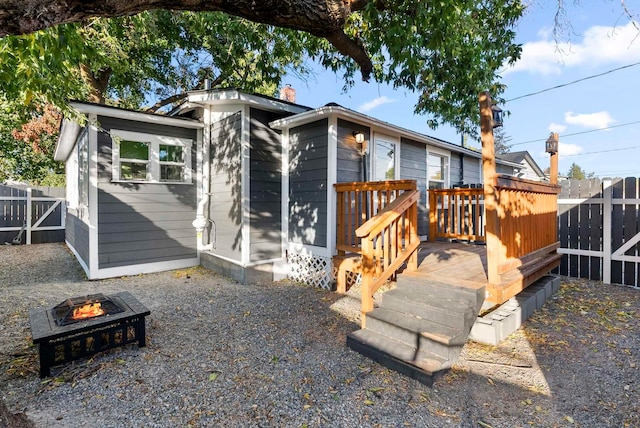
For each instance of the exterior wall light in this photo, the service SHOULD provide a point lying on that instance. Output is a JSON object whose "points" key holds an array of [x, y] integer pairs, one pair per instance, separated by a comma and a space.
{"points": [[362, 143], [551, 146], [497, 115]]}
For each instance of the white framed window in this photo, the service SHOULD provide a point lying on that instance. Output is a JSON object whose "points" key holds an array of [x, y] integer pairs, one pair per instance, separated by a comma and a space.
{"points": [[437, 170], [385, 159], [141, 157]]}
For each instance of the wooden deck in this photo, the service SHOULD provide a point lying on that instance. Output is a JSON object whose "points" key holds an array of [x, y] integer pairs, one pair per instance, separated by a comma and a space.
{"points": [[465, 265]]}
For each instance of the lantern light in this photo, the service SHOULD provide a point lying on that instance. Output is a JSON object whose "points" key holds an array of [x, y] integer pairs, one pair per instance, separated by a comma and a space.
{"points": [[551, 145], [497, 115], [362, 143]]}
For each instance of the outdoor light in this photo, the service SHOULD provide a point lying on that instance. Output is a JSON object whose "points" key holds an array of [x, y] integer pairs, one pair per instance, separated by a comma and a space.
{"points": [[359, 136], [551, 146], [497, 115]]}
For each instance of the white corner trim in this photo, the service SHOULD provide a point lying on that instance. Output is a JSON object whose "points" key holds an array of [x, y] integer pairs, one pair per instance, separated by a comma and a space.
{"points": [[84, 266], [245, 190], [332, 178], [93, 195], [284, 208]]}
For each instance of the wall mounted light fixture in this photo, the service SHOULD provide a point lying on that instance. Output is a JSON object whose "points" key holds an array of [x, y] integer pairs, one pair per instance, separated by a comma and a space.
{"points": [[362, 143]]}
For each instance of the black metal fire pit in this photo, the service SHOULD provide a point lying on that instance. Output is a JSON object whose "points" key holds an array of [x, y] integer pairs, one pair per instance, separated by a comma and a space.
{"points": [[62, 338]]}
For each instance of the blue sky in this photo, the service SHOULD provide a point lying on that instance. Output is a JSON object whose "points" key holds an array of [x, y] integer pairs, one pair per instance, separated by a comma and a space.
{"points": [[601, 39]]}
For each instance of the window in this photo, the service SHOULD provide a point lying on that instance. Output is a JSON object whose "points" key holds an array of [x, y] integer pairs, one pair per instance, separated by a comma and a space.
{"points": [[152, 158], [437, 171], [384, 162]]}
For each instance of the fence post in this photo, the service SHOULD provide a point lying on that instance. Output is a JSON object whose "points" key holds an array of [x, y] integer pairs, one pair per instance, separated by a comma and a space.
{"points": [[28, 219], [606, 230]]}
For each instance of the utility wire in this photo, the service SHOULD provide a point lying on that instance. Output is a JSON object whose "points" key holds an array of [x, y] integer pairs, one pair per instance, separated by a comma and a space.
{"points": [[573, 82], [577, 133], [592, 153]]}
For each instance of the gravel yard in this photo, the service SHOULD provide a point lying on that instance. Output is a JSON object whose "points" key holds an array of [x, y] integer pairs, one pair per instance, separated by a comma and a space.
{"points": [[219, 353]]}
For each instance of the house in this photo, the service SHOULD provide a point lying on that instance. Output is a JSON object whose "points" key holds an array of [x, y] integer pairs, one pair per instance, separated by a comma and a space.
{"points": [[529, 169], [241, 183]]}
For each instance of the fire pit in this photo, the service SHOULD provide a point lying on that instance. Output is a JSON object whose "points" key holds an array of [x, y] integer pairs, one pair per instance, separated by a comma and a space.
{"points": [[83, 326]]}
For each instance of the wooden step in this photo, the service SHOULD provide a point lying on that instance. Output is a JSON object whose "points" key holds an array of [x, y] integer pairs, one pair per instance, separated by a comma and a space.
{"points": [[426, 335], [455, 290], [398, 356], [452, 313]]}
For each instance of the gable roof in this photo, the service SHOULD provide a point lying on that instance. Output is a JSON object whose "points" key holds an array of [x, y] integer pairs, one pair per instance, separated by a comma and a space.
{"points": [[519, 157]]}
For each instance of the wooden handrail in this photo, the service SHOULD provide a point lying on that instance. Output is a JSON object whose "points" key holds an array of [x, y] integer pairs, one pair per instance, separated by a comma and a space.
{"points": [[357, 202], [388, 240], [456, 214]]}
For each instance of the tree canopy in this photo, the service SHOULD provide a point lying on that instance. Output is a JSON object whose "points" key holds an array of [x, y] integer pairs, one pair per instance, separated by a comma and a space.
{"points": [[444, 51]]}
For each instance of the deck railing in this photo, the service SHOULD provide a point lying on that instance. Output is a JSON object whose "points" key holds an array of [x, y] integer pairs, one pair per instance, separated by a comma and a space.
{"points": [[357, 202], [388, 240], [523, 225], [456, 214]]}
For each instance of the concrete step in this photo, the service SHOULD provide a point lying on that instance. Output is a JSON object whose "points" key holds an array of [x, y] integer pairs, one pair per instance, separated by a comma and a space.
{"points": [[426, 335], [454, 314], [415, 282], [398, 356]]}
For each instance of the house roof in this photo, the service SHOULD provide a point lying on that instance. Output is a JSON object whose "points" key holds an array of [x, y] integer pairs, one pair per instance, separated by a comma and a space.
{"points": [[352, 115], [69, 129], [235, 96], [519, 157]]}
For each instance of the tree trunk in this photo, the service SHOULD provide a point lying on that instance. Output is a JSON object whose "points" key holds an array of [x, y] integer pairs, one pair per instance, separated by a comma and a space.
{"points": [[97, 82], [321, 18]]}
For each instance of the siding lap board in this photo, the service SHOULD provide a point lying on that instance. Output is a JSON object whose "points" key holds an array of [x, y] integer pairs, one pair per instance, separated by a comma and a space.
{"points": [[413, 166], [308, 165], [143, 222]]}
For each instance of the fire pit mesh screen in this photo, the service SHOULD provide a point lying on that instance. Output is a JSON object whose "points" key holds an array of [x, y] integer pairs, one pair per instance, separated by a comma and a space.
{"points": [[81, 308]]}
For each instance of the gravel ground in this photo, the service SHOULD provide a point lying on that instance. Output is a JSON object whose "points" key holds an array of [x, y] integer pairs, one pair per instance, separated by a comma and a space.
{"points": [[274, 355]]}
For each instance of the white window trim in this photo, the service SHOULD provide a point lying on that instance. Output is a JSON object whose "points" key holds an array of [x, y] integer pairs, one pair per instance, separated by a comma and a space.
{"points": [[383, 138], [153, 171], [445, 154]]}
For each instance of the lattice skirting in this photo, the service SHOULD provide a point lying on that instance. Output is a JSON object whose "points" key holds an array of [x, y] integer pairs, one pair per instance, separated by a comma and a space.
{"points": [[310, 269]]}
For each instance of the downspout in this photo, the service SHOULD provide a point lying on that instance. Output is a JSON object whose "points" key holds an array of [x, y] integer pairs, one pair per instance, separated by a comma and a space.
{"points": [[201, 221]]}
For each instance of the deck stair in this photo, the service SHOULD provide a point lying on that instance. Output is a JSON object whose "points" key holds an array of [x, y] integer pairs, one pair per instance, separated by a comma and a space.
{"points": [[420, 327]]}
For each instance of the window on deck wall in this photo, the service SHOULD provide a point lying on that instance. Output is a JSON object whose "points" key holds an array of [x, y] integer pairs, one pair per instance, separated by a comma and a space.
{"points": [[152, 158], [437, 171], [384, 161]]}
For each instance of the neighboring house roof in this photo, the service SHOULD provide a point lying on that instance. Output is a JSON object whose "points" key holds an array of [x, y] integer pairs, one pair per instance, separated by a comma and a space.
{"points": [[521, 158], [352, 115]]}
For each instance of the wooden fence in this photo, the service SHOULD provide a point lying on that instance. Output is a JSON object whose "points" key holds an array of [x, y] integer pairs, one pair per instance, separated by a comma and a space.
{"points": [[599, 230], [39, 210]]}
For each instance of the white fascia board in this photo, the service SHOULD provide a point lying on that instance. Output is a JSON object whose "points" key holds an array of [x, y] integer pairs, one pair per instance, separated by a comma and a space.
{"points": [[363, 119], [233, 96], [118, 113], [69, 131]]}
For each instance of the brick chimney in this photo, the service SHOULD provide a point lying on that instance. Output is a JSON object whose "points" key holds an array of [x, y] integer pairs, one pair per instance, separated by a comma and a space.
{"points": [[288, 94]]}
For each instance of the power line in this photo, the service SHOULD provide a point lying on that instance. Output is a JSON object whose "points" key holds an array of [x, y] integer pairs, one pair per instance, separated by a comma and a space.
{"points": [[573, 82], [592, 153], [578, 133]]}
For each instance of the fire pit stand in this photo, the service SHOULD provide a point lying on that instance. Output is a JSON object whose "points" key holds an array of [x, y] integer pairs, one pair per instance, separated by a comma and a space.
{"points": [[62, 344]]}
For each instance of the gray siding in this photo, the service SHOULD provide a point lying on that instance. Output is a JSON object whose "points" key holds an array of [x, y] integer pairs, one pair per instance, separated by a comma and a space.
{"points": [[455, 170], [265, 187], [77, 235], [143, 222], [308, 164], [464, 170], [413, 164], [472, 169], [504, 169], [225, 203], [349, 161]]}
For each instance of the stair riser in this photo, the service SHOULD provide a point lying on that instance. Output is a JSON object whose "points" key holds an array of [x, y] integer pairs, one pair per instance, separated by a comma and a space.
{"points": [[441, 291], [452, 318], [414, 339]]}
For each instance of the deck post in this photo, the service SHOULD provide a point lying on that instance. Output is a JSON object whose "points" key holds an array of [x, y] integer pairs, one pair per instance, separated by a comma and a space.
{"points": [[553, 167], [489, 181], [433, 216]]}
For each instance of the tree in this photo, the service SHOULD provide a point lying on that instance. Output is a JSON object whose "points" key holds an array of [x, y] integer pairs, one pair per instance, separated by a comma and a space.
{"points": [[577, 173], [501, 141], [447, 52]]}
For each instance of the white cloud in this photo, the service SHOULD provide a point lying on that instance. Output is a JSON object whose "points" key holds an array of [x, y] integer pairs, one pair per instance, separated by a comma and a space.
{"points": [[598, 120], [377, 102], [565, 149], [600, 45], [555, 127]]}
